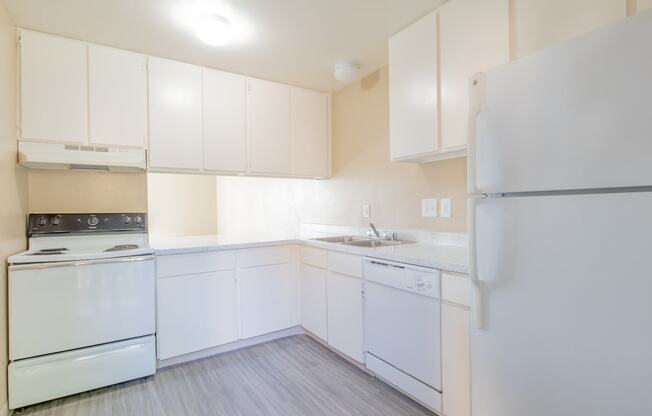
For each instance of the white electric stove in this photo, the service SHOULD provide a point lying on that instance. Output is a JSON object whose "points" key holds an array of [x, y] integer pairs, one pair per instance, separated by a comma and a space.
{"points": [[81, 306]]}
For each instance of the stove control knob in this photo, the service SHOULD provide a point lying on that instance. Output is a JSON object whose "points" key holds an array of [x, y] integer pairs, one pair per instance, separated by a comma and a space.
{"points": [[138, 219], [42, 221], [126, 220], [56, 221], [93, 221]]}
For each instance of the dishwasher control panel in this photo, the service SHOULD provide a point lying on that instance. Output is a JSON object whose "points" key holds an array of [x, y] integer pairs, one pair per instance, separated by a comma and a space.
{"points": [[419, 280]]}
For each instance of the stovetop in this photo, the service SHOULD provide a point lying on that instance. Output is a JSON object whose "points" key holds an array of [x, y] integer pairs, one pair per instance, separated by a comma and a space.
{"points": [[82, 237]]}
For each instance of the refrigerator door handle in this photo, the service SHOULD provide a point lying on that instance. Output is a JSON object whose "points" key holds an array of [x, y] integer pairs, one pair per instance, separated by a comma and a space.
{"points": [[475, 107], [476, 306]]}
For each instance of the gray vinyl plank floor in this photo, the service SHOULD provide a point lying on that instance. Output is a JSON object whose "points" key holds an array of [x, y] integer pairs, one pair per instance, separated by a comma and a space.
{"points": [[294, 376]]}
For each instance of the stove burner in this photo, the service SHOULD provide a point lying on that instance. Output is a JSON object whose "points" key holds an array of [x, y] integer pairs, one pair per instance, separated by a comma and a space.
{"points": [[121, 247]]}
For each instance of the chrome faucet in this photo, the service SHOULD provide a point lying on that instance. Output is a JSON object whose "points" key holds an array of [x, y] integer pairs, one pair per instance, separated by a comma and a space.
{"points": [[373, 228]]}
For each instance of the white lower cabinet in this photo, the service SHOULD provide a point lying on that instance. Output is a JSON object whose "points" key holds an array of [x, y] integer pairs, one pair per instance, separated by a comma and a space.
{"points": [[267, 295], [345, 330], [212, 298], [196, 312], [313, 300]]}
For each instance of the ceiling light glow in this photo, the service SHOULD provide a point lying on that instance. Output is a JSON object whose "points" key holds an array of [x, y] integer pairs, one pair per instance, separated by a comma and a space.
{"points": [[213, 29]]}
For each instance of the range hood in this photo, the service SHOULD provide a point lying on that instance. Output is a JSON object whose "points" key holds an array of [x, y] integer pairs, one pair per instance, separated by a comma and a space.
{"points": [[37, 155]]}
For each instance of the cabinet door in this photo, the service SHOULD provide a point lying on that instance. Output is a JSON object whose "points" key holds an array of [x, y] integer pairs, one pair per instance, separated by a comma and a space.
{"points": [[54, 88], [413, 105], [224, 122], [175, 116], [309, 132], [313, 300], [456, 367], [474, 37], [196, 312], [267, 299], [344, 295], [539, 24], [268, 127], [117, 97]]}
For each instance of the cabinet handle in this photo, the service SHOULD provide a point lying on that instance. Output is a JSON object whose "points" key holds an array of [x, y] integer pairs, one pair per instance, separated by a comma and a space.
{"points": [[475, 107], [387, 265]]}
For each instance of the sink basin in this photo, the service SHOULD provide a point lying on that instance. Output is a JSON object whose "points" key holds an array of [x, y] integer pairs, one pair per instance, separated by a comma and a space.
{"points": [[345, 239], [376, 243]]}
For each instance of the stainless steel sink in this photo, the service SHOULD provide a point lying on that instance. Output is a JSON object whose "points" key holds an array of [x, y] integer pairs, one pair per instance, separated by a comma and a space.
{"points": [[376, 243], [342, 239], [357, 241]]}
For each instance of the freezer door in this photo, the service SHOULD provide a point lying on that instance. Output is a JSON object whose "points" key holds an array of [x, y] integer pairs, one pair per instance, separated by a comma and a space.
{"points": [[566, 287], [574, 116]]}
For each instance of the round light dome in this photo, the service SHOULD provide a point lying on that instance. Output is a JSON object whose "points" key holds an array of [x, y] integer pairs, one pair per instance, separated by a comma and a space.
{"points": [[213, 29], [347, 71]]}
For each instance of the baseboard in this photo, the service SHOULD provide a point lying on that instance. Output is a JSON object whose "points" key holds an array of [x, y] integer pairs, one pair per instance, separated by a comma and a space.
{"points": [[243, 343]]}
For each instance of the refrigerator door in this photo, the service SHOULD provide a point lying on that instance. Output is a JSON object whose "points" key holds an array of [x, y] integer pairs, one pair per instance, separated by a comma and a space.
{"points": [[566, 287], [573, 116]]}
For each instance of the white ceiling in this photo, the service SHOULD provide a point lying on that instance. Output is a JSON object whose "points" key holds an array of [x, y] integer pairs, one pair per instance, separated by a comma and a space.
{"points": [[293, 41]]}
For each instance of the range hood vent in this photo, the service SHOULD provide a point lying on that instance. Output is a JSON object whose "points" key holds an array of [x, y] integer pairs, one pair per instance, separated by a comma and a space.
{"points": [[36, 155]]}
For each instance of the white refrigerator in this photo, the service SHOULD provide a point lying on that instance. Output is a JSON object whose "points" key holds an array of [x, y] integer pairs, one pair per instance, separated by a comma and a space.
{"points": [[560, 163]]}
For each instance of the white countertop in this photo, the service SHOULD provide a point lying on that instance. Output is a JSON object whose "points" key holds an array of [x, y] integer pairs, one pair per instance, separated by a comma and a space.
{"points": [[443, 257]]}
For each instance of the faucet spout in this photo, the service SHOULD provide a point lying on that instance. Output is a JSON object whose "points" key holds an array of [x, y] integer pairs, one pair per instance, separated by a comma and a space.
{"points": [[373, 227]]}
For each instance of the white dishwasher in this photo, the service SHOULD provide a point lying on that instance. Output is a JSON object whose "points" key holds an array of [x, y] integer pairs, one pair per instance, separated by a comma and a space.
{"points": [[403, 328]]}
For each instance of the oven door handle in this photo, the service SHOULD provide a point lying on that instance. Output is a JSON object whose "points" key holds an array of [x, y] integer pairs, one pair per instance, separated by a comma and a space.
{"points": [[33, 266]]}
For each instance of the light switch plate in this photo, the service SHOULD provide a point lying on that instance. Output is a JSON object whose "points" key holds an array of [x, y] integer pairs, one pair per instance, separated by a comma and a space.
{"points": [[366, 211], [446, 208], [429, 207]]}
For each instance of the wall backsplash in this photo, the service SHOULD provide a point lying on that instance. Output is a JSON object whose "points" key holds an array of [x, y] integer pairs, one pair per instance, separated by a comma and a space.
{"points": [[362, 174], [73, 191]]}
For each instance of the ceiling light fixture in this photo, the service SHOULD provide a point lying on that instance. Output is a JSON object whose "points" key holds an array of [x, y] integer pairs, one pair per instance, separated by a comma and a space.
{"points": [[213, 29], [347, 71]]}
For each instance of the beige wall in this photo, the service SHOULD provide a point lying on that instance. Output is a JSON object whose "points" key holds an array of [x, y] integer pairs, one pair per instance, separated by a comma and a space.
{"points": [[77, 191], [362, 174], [181, 204], [13, 182]]}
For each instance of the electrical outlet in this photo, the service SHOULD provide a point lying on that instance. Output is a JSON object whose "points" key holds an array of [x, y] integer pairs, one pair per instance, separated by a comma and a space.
{"points": [[446, 208], [366, 211], [429, 208]]}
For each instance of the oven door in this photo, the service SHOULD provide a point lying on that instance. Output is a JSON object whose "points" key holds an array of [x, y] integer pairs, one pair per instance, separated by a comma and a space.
{"points": [[62, 306]]}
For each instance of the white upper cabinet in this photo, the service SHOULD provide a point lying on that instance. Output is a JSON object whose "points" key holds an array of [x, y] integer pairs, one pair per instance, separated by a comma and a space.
{"points": [[474, 37], [54, 88], [225, 148], [413, 90], [539, 24], [310, 133], [117, 97], [268, 127], [175, 116]]}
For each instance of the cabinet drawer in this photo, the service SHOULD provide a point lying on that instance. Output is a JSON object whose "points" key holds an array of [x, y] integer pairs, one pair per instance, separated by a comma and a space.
{"points": [[345, 263], [456, 289], [314, 257], [263, 256], [179, 264]]}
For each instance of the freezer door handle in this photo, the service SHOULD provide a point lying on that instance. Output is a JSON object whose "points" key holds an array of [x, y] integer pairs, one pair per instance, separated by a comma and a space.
{"points": [[476, 305], [475, 108]]}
